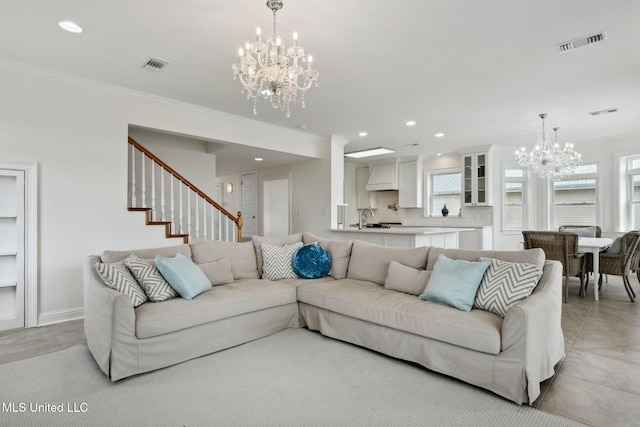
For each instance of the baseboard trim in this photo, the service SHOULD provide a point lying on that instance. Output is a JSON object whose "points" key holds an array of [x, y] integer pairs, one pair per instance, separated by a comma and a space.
{"points": [[59, 316]]}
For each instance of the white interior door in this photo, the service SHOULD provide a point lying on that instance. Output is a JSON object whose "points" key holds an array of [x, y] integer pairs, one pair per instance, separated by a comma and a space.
{"points": [[249, 209], [276, 207], [12, 249]]}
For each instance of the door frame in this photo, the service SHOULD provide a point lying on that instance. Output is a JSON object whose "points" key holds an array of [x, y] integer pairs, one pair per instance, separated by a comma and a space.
{"points": [[31, 239]]}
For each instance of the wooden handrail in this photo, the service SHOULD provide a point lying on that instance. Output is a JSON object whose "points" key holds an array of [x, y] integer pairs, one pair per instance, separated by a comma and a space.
{"points": [[238, 221]]}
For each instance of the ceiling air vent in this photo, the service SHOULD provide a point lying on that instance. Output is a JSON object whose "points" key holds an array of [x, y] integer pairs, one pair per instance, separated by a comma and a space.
{"points": [[155, 64], [581, 42], [601, 112]]}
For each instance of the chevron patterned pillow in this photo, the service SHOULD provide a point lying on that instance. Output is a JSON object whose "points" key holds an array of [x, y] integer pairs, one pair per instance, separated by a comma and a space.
{"points": [[277, 261], [148, 276], [116, 276], [504, 284]]}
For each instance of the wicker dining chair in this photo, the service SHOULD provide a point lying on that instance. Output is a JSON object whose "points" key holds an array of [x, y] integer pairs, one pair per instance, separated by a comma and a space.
{"points": [[563, 247], [622, 263], [588, 262]]}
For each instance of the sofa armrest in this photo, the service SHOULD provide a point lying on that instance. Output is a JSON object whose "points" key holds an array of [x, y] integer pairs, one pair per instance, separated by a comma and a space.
{"points": [[532, 328], [106, 313]]}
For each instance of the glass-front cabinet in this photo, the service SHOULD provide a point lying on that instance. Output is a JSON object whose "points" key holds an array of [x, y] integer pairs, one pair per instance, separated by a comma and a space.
{"points": [[477, 179]]}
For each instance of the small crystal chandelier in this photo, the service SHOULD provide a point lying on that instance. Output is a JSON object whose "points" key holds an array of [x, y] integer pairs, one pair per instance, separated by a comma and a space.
{"points": [[271, 71], [547, 159]]}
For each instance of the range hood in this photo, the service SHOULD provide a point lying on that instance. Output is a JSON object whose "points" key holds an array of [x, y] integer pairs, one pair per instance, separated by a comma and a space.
{"points": [[383, 175]]}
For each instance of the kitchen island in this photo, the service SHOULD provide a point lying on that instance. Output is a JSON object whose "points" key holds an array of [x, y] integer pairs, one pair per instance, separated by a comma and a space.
{"points": [[403, 236]]}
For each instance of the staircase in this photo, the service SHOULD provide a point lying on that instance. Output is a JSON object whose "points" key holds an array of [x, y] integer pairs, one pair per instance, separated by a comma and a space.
{"points": [[170, 200]]}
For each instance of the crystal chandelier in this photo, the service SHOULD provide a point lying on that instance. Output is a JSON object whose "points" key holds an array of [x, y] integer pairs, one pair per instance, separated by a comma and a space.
{"points": [[548, 159], [272, 72]]}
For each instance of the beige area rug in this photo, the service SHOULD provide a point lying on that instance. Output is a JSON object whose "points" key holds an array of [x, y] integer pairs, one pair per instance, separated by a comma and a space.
{"points": [[293, 378]]}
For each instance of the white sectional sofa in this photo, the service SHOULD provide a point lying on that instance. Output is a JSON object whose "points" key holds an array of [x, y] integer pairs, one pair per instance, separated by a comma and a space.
{"points": [[356, 303]]}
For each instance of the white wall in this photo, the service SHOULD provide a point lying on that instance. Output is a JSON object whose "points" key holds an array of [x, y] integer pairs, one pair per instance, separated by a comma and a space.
{"points": [[76, 131]]}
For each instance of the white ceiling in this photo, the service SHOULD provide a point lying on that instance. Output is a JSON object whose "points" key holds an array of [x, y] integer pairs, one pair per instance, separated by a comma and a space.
{"points": [[479, 71]]}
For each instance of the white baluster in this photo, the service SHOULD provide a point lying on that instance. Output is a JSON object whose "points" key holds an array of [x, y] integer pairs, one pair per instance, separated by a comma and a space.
{"points": [[162, 216], [154, 216], [204, 219], [180, 207], [188, 211], [133, 177], [197, 218], [173, 216], [144, 187], [213, 223]]}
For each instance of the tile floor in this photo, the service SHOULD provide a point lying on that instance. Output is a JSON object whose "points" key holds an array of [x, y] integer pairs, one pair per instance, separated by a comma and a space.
{"points": [[598, 383]]}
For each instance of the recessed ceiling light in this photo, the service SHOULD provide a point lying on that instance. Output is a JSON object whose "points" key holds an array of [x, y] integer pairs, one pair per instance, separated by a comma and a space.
{"points": [[438, 154], [411, 123], [371, 152], [71, 27], [258, 159], [439, 135], [363, 133]]}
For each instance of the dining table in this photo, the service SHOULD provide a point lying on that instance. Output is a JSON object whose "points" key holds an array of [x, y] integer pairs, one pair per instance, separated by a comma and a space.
{"points": [[594, 245]]}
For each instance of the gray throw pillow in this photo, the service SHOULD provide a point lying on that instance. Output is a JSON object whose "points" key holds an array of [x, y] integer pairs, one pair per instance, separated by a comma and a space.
{"points": [[406, 279], [218, 272], [582, 231], [117, 276], [339, 250], [150, 279]]}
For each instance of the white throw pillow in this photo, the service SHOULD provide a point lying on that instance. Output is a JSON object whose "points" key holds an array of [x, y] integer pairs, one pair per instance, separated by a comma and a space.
{"points": [[504, 284], [277, 261]]}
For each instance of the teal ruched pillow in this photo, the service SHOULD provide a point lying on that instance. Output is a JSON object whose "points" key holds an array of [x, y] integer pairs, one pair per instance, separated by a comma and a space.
{"points": [[311, 262]]}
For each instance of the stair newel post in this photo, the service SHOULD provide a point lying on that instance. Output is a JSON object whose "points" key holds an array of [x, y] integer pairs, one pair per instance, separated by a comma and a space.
{"points": [[133, 177], [240, 224], [154, 216], [173, 213], [143, 185], [162, 215]]}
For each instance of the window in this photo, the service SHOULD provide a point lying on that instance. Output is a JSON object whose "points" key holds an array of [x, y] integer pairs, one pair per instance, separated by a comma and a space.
{"points": [[634, 192], [514, 211], [575, 199], [445, 189]]}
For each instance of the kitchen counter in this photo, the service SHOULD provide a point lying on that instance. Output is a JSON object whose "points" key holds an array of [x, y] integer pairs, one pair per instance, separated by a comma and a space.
{"points": [[401, 230], [403, 236]]}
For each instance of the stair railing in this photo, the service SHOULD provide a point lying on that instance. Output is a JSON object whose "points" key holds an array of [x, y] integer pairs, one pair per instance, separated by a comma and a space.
{"points": [[190, 212]]}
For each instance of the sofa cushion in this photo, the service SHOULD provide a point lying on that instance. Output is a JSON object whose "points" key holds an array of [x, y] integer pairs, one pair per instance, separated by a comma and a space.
{"points": [[220, 302], [476, 330], [504, 284], [273, 240], [371, 262], [531, 256], [241, 255], [455, 282], [406, 279], [117, 276], [311, 261], [183, 275], [148, 253], [218, 272], [581, 231], [340, 252], [149, 278]]}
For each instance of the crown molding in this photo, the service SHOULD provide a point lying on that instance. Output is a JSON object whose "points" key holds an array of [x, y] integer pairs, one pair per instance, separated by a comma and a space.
{"points": [[44, 73]]}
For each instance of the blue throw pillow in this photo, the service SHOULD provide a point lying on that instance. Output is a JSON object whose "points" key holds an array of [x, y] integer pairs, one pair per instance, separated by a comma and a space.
{"points": [[455, 282], [183, 275], [311, 262]]}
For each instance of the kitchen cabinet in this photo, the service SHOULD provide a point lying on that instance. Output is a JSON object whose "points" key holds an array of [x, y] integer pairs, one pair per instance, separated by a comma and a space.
{"points": [[364, 198], [477, 173], [410, 193], [383, 176], [403, 237]]}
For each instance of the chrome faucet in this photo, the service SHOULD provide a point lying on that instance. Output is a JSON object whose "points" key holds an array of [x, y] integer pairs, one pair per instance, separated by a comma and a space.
{"points": [[361, 216]]}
